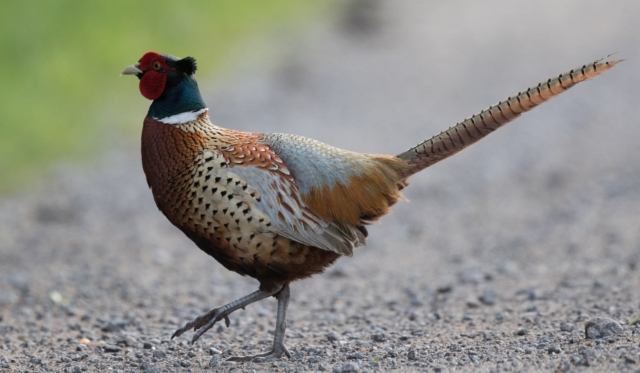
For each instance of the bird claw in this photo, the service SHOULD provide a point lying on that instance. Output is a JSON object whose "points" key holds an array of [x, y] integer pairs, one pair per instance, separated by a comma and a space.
{"points": [[207, 320], [204, 322], [275, 354]]}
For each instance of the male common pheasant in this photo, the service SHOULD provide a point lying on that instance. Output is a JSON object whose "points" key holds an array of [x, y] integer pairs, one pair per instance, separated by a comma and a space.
{"points": [[280, 207]]}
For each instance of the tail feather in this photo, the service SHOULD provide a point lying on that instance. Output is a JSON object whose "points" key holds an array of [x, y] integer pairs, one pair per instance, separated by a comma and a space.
{"points": [[470, 130]]}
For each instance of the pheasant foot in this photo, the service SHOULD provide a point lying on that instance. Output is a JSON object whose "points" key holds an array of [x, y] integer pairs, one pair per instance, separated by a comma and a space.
{"points": [[275, 354], [207, 320], [278, 348]]}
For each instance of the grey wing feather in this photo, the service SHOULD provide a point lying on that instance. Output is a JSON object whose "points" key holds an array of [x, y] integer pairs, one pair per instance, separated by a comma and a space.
{"points": [[291, 218]]}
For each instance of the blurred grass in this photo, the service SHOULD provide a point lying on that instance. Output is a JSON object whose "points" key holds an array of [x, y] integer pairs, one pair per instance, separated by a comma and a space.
{"points": [[60, 62]]}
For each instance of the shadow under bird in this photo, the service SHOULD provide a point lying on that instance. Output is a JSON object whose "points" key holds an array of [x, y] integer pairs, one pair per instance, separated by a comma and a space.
{"points": [[280, 207]]}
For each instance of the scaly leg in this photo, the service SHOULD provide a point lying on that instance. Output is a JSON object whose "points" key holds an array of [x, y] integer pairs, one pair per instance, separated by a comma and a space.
{"points": [[208, 320], [278, 348]]}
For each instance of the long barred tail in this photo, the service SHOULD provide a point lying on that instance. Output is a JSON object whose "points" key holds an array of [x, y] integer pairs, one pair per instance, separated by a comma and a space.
{"points": [[470, 130]]}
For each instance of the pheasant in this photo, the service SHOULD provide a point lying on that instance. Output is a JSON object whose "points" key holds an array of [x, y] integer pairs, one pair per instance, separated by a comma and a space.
{"points": [[279, 207]]}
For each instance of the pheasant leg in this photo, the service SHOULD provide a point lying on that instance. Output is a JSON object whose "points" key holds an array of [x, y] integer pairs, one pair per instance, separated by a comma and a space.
{"points": [[278, 348], [207, 320]]}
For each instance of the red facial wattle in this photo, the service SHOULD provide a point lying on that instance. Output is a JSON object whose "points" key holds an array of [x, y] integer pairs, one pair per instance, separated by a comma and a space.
{"points": [[155, 70]]}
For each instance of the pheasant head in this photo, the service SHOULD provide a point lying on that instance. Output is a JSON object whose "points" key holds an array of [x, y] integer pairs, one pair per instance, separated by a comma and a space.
{"points": [[169, 81]]}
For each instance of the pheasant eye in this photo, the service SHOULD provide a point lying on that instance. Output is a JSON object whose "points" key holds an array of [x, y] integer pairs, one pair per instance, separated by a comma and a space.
{"points": [[156, 65]]}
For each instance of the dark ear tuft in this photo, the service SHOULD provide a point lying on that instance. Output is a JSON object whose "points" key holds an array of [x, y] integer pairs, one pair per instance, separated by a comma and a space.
{"points": [[187, 65]]}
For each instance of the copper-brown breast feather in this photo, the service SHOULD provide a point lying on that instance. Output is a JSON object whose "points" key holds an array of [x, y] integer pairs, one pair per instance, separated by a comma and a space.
{"points": [[168, 154]]}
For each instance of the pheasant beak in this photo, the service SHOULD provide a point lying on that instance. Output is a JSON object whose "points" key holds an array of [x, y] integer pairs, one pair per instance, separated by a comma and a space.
{"points": [[132, 70]]}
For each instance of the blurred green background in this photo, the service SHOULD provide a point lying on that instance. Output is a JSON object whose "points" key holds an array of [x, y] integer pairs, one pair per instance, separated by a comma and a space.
{"points": [[60, 62]]}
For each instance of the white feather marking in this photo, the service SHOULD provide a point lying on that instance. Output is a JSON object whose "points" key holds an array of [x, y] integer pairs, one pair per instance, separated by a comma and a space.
{"points": [[185, 117]]}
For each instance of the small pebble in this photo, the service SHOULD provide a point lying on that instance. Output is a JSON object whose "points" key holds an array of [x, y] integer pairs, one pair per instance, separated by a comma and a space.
{"points": [[114, 326], [379, 337], [602, 327], [333, 336], [567, 327], [488, 297], [185, 363], [128, 341], [159, 354], [215, 361], [576, 360], [350, 367], [554, 349], [488, 336], [588, 352], [147, 346], [564, 366], [473, 304], [111, 348], [629, 360], [521, 332]]}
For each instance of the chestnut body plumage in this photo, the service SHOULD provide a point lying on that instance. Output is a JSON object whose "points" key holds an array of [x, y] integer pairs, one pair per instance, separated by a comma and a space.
{"points": [[280, 207]]}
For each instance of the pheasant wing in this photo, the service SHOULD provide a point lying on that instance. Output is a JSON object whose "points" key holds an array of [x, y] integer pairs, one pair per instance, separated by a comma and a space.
{"points": [[278, 198]]}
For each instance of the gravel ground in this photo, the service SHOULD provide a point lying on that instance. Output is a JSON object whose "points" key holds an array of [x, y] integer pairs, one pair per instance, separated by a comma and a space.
{"points": [[505, 254]]}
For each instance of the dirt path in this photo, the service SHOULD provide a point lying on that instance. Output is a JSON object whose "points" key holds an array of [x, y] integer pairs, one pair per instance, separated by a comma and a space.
{"points": [[503, 254]]}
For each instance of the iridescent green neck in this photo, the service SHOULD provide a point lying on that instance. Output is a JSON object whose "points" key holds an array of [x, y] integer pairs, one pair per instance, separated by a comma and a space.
{"points": [[183, 96]]}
